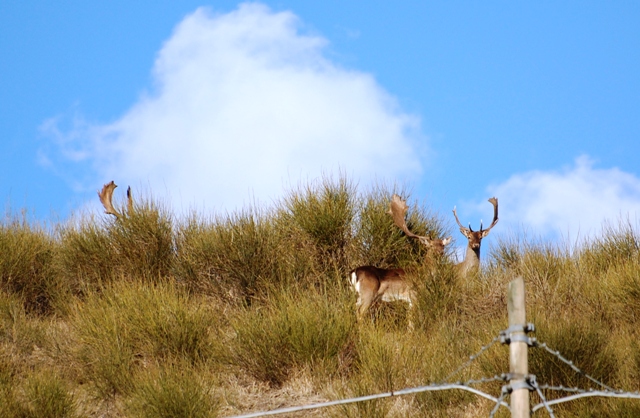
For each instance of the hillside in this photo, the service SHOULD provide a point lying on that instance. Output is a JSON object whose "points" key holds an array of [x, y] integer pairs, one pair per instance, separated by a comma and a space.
{"points": [[149, 315]]}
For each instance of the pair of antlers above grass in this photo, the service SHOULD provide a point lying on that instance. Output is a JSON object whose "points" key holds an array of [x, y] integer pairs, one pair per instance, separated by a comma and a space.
{"points": [[398, 211], [106, 198]]}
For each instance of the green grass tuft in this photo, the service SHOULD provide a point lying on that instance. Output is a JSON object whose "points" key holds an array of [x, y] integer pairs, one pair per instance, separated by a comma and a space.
{"points": [[26, 253], [295, 330], [172, 390]]}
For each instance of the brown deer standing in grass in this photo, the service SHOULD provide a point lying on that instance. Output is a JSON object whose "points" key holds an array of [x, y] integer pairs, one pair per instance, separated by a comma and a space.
{"points": [[471, 261], [106, 197], [373, 283]]}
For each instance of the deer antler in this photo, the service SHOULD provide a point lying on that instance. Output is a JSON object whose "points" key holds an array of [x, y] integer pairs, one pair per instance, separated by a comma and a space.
{"points": [[458, 221], [398, 212], [106, 198], [129, 201], [494, 202]]}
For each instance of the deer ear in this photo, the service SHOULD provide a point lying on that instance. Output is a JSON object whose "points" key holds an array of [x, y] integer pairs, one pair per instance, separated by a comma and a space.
{"points": [[465, 231], [446, 241]]}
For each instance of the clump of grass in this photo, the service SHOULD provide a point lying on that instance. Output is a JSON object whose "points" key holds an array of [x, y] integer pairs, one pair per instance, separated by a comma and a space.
{"points": [[105, 349], [25, 265], [21, 331], [324, 213], [231, 258], [378, 241], [585, 343], [438, 290], [382, 358], [372, 409], [9, 406], [390, 358], [85, 256], [295, 330], [46, 396], [143, 241], [625, 292], [26, 391], [507, 253], [545, 266], [552, 276], [129, 324], [616, 246], [94, 252], [174, 389]]}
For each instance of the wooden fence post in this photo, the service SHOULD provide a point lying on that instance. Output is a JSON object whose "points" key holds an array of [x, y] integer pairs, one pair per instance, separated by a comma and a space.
{"points": [[518, 361]]}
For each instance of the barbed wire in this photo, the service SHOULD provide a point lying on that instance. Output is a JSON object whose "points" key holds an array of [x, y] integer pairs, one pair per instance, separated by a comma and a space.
{"points": [[471, 359], [534, 383], [503, 393], [497, 378], [570, 364], [407, 391], [586, 394], [578, 393], [567, 389]]}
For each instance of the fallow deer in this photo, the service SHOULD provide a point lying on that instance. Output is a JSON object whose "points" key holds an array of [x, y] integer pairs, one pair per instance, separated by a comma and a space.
{"points": [[471, 261], [373, 283], [106, 197]]}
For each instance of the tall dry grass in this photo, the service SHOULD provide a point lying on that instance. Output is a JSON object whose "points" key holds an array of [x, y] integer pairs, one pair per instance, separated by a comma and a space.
{"points": [[151, 315]]}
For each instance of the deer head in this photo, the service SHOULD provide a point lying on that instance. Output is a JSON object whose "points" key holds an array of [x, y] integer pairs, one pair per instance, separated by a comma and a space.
{"points": [[106, 198], [398, 211]]}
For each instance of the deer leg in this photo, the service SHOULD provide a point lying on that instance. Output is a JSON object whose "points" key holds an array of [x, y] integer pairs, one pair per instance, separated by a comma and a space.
{"points": [[364, 303]]}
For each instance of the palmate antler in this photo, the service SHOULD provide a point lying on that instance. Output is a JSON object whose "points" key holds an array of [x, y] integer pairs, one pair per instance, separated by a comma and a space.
{"points": [[106, 198], [398, 211]]}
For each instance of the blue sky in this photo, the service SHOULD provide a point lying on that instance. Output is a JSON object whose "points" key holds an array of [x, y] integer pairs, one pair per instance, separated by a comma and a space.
{"points": [[216, 105]]}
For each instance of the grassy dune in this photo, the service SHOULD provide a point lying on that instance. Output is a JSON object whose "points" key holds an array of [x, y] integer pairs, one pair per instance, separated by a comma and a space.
{"points": [[149, 315]]}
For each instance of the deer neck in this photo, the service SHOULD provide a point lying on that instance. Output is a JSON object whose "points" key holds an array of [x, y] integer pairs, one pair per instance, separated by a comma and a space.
{"points": [[471, 260]]}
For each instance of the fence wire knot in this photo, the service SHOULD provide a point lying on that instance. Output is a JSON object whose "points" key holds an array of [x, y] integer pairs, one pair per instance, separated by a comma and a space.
{"points": [[522, 382], [517, 333]]}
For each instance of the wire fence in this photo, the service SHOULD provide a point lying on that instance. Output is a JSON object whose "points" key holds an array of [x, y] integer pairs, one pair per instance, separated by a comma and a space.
{"points": [[499, 400], [531, 384]]}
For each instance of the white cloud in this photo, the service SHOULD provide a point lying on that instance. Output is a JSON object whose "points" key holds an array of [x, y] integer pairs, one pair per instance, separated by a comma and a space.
{"points": [[245, 104], [573, 202]]}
